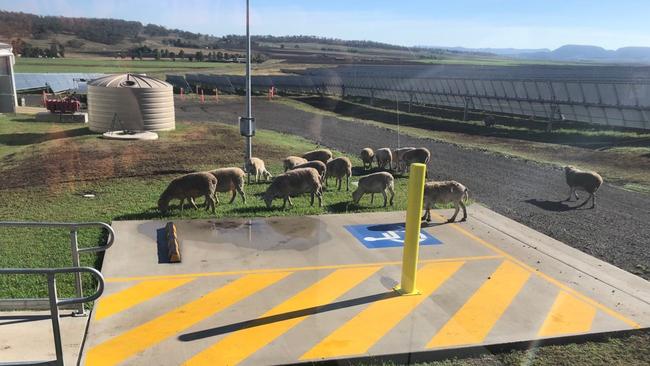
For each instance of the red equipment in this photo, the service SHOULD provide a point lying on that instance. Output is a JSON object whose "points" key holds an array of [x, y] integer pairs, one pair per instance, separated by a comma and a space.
{"points": [[67, 105]]}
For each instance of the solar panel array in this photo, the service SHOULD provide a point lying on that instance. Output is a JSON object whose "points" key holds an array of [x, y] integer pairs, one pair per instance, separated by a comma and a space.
{"points": [[605, 95], [56, 82]]}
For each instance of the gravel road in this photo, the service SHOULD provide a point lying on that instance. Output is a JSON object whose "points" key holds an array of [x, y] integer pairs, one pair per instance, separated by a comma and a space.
{"points": [[617, 230]]}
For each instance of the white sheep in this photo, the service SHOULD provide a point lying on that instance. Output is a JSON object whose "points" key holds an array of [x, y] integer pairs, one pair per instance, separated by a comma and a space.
{"points": [[375, 183], [322, 155], [587, 181], [292, 161], [229, 180], [367, 155], [384, 157], [190, 186], [293, 183], [443, 192], [316, 164], [420, 155], [256, 167], [397, 157], [339, 168]]}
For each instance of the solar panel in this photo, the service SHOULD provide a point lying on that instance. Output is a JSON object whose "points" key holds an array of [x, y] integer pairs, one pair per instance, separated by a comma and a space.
{"points": [[57, 82]]}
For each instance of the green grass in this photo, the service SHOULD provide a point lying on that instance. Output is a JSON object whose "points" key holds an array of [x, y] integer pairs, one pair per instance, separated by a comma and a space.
{"points": [[132, 199], [156, 68]]}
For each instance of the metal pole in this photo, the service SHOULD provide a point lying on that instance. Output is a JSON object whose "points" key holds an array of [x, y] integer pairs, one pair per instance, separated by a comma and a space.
{"points": [[412, 236], [54, 308], [74, 248], [249, 111]]}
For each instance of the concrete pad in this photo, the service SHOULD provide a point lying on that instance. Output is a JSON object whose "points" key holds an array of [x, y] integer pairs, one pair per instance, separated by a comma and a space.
{"points": [[303, 289], [27, 336]]}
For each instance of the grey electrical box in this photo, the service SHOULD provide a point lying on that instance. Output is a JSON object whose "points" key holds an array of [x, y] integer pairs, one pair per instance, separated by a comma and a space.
{"points": [[247, 126]]}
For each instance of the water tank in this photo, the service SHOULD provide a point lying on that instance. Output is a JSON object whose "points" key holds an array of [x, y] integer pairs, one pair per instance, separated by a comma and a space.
{"points": [[130, 102]]}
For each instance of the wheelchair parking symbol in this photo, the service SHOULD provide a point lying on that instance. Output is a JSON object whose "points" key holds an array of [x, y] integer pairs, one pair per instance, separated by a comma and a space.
{"points": [[386, 235]]}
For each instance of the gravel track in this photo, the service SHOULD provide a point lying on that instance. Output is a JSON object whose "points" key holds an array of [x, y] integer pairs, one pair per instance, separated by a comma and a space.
{"points": [[616, 231]]}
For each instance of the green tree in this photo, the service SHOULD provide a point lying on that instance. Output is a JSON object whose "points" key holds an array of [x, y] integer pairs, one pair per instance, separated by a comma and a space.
{"points": [[181, 54], [157, 54]]}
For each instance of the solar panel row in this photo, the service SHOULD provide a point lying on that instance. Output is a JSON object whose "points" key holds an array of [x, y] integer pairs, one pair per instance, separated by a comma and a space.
{"points": [[56, 82]]}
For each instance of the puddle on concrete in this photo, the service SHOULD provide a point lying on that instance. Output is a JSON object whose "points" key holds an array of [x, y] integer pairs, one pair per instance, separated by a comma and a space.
{"points": [[292, 233]]}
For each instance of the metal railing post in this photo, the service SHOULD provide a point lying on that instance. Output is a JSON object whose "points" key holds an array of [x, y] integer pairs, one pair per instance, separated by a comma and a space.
{"points": [[74, 249], [54, 312]]}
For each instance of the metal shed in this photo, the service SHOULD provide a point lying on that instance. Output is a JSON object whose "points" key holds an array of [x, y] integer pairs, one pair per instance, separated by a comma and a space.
{"points": [[130, 102]]}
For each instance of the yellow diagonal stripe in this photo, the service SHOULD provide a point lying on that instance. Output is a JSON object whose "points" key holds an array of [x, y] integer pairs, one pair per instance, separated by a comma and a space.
{"points": [[568, 315], [125, 345], [134, 295], [474, 320], [366, 328], [239, 345]]}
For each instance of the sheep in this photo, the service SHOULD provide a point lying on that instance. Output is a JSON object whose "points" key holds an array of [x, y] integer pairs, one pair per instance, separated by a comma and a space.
{"points": [[339, 168], [367, 155], [291, 161], [188, 187], [420, 155], [584, 180], [489, 121], [443, 192], [397, 156], [293, 183], [375, 183], [322, 155], [256, 167], [229, 180], [316, 164], [384, 157]]}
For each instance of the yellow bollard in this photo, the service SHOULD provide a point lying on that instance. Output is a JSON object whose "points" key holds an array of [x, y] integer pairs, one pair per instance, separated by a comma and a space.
{"points": [[412, 235]]}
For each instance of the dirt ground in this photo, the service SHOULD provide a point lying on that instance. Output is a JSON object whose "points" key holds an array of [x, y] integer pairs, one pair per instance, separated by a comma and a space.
{"points": [[616, 230]]}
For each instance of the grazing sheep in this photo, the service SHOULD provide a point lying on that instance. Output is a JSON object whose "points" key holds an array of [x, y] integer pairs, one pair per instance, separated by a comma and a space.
{"points": [[420, 155], [397, 157], [316, 164], [230, 180], [322, 155], [339, 168], [375, 183], [489, 121], [293, 183], [256, 167], [384, 157], [444, 192], [190, 186], [367, 155], [291, 162], [587, 181]]}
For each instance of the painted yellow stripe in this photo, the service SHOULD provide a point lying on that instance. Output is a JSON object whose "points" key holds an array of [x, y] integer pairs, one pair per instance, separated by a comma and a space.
{"points": [[364, 330], [474, 320], [543, 275], [294, 269], [134, 295], [239, 345], [568, 315], [128, 344]]}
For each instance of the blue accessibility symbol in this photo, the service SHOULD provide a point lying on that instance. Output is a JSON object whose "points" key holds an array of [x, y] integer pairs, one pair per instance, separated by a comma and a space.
{"points": [[386, 235]]}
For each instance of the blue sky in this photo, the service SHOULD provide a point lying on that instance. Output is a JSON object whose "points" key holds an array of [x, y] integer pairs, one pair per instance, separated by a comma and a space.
{"points": [[469, 23]]}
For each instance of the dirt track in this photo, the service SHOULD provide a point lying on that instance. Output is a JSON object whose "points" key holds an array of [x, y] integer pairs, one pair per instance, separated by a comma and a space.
{"points": [[617, 231]]}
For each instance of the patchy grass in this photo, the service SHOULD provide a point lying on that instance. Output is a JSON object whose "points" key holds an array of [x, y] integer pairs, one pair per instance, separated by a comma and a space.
{"points": [[126, 180]]}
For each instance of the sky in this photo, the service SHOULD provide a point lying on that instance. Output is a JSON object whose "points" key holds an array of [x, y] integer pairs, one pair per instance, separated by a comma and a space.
{"points": [[451, 23]]}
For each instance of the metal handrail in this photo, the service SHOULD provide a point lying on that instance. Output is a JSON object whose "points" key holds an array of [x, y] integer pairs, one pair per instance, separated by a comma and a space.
{"points": [[54, 300], [73, 227]]}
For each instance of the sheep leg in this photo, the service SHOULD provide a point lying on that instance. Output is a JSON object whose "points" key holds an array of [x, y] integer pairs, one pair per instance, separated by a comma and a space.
{"points": [[347, 183], [385, 198], [284, 204], [212, 203], [575, 193], [240, 189], [289, 199], [372, 198], [453, 218], [391, 189], [312, 199], [464, 211], [570, 194], [593, 200], [339, 181], [319, 194], [234, 194], [194, 203], [182, 202]]}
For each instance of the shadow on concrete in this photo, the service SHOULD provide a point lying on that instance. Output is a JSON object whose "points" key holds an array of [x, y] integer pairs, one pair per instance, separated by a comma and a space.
{"points": [[188, 337]]}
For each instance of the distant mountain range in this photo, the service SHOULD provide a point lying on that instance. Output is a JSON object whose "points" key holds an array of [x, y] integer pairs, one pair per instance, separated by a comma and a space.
{"points": [[570, 53]]}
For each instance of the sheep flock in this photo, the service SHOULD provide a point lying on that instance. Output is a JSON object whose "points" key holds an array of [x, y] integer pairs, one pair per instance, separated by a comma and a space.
{"points": [[310, 173]]}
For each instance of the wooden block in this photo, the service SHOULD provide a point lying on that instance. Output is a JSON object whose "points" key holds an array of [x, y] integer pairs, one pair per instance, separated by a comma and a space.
{"points": [[173, 247]]}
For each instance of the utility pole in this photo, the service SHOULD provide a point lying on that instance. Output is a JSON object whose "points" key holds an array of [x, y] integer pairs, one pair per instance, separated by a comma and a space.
{"points": [[247, 124]]}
